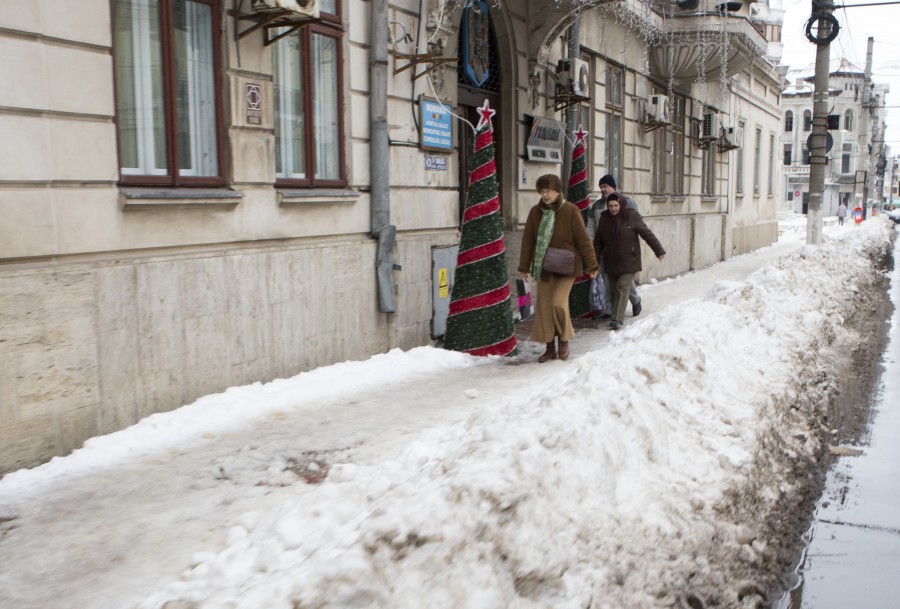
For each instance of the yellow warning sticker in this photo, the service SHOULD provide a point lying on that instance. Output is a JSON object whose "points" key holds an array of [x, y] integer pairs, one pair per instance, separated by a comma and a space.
{"points": [[443, 287]]}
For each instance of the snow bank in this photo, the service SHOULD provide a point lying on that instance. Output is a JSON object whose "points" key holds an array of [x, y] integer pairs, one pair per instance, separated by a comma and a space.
{"points": [[649, 472]]}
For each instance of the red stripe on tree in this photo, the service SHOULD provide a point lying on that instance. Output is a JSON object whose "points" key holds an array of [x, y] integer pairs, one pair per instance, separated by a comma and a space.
{"points": [[480, 253], [488, 299], [485, 171], [490, 206], [504, 347]]}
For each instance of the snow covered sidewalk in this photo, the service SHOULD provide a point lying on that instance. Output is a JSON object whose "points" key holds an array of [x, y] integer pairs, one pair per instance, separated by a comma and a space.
{"points": [[644, 472]]}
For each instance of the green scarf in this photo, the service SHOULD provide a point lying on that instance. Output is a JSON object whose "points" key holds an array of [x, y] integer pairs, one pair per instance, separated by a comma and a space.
{"points": [[545, 232]]}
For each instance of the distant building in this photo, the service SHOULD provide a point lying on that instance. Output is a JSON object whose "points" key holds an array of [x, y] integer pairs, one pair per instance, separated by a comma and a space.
{"points": [[846, 172]]}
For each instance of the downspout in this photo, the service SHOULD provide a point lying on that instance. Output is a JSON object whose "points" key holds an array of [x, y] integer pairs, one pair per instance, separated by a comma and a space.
{"points": [[381, 227]]}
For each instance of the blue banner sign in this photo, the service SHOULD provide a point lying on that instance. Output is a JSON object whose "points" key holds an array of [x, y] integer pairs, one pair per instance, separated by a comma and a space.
{"points": [[436, 124]]}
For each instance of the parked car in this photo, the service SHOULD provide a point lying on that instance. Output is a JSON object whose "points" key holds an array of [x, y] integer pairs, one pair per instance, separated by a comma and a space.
{"points": [[894, 215]]}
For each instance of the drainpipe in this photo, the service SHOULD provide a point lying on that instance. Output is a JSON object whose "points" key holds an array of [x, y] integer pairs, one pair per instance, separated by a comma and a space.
{"points": [[382, 229]]}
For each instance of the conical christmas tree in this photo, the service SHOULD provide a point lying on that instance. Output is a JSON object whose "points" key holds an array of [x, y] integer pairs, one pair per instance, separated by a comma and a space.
{"points": [[579, 303], [480, 321]]}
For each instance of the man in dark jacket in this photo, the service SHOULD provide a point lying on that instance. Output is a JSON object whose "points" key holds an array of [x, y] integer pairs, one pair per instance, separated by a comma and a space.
{"points": [[607, 186], [617, 243]]}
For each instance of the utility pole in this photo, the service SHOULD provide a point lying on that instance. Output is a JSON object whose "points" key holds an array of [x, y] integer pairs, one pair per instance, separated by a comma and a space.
{"points": [[868, 129], [822, 9]]}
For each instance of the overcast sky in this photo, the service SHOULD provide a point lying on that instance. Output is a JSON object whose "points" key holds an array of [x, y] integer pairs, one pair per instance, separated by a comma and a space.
{"points": [[857, 24]]}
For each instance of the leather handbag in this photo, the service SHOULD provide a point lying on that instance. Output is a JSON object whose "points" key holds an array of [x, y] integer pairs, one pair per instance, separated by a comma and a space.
{"points": [[558, 260]]}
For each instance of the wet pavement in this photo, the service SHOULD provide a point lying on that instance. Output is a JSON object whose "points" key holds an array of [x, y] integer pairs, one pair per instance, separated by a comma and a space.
{"points": [[853, 558]]}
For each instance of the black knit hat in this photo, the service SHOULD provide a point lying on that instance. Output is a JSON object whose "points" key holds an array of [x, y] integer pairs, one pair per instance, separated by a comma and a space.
{"points": [[548, 181], [608, 180]]}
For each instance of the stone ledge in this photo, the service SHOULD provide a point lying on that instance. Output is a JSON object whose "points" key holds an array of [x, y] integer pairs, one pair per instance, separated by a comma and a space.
{"points": [[180, 198], [318, 196]]}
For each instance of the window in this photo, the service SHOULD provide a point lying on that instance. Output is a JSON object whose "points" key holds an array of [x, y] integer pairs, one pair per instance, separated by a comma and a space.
{"points": [[308, 101], [848, 120], [805, 159], [615, 120], [846, 151], [668, 153], [678, 117], [770, 179], [168, 106], [740, 166], [708, 182], [788, 149], [788, 121], [614, 144], [756, 161], [807, 120], [615, 86]]}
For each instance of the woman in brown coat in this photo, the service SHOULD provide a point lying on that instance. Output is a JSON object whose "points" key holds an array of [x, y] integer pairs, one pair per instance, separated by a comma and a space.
{"points": [[554, 222], [617, 245]]}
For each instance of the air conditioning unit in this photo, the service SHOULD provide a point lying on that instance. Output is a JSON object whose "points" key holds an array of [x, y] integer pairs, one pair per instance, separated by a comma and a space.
{"points": [[573, 76], [734, 136], [709, 127], [731, 138], [309, 8], [658, 111]]}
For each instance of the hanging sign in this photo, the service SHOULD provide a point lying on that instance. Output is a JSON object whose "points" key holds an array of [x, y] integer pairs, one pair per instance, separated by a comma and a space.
{"points": [[436, 125], [545, 141], [476, 41]]}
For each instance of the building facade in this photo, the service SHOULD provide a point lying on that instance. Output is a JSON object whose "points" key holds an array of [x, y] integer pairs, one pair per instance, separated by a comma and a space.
{"points": [[851, 157], [197, 194]]}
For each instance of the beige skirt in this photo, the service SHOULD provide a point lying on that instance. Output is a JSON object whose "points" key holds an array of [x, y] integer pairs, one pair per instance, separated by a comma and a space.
{"points": [[551, 313]]}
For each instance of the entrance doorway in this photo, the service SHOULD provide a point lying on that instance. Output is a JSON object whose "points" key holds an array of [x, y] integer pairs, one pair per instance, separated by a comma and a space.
{"points": [[478, 78]]}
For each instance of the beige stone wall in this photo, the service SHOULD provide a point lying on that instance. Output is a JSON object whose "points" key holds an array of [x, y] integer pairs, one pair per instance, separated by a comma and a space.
{"points": [[753, 237], [89, 348]]}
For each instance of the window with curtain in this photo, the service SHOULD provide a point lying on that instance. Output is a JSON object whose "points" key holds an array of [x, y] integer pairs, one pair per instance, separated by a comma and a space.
{"points": [[168, 107], [708, 179], [306, 68], [807, 120], [770, 178], [788, 121], [757, 153]]}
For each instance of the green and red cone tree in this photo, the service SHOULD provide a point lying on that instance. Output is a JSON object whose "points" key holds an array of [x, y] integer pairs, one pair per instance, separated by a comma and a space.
{"points": [[579, 296], [480, 321]]}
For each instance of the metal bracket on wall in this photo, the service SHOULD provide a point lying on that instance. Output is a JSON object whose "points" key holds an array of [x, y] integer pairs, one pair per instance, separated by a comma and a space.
{"points": [[434, 59], [563, 100]]}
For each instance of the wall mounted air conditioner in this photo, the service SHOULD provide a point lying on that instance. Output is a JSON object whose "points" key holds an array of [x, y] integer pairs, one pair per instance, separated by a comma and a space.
{"points": [[709, 127], [658, 110], [309, 8], [731, 138], [734, 136], [573, 76]]}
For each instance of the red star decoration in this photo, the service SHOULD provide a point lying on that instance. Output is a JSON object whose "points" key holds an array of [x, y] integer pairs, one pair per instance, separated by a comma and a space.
{"points": [[486, 115], [580, 135]]}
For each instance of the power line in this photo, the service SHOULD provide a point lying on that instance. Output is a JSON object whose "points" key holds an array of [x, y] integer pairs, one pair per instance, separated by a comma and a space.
{"points": [[866, 4]]}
